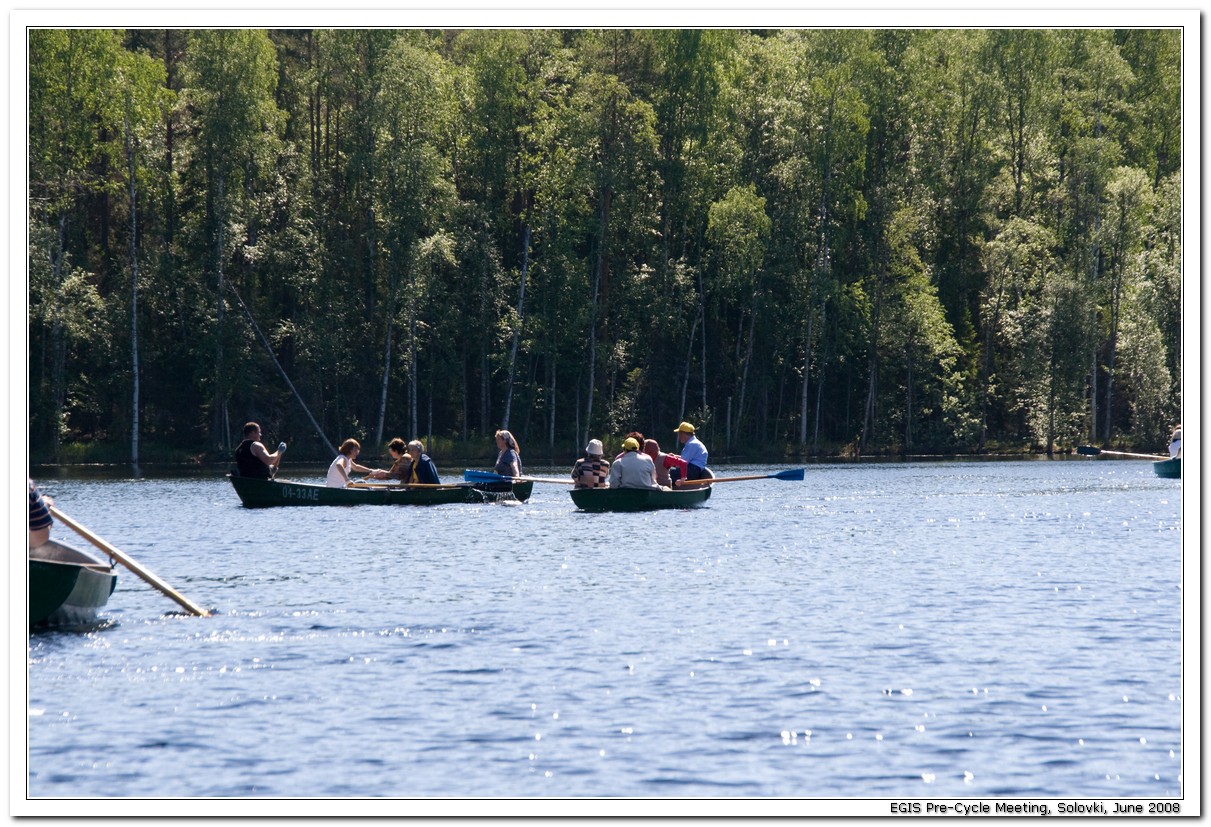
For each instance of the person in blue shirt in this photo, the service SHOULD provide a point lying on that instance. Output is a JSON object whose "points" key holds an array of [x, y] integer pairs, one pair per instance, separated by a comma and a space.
{"points": [[693, 452], [423, 469]]}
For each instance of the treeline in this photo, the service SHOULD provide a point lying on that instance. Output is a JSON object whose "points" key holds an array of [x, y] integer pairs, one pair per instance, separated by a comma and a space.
{"points": [[806, 242]]}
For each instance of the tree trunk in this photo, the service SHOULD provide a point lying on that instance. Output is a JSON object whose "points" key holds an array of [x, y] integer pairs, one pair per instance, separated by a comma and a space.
{"points": [[521, 322], [807, 362], [382, 396], [220, 398], [689, 364], [588, 413], [868, 415], [134, 301], [551, 412], [748, 358]]}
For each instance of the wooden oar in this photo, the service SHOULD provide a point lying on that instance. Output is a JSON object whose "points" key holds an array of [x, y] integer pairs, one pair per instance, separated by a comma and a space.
{"points": [[273, 472], [489, 476], [788, 474], [400, 486], [131, 564], [1090, 451]]}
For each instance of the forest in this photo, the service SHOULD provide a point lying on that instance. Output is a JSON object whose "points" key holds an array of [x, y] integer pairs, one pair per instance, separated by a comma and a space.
{"points": [[807, 242]]}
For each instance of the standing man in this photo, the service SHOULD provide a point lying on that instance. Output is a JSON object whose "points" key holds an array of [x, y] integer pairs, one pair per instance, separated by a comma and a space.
{"points": [[693, 452], [251, 458]]}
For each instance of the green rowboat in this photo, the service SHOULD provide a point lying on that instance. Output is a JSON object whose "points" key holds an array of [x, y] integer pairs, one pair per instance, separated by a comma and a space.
{"points": [[638, 499], [1169, 469], [258, 493], [67, 586]]}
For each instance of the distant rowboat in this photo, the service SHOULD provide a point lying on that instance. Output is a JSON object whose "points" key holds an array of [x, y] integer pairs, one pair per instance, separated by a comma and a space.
{"points": [[638, 499], [259, 493], [66, 585], [1169, 469]]}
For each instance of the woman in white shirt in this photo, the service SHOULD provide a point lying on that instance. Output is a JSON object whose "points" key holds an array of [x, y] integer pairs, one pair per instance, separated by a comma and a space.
{"points": [[344, 464], [1175, 442]]}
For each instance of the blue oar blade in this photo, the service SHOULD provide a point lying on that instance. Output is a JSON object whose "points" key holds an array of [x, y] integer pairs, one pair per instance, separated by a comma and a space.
{"points": [[482, 476], [789, 474]]}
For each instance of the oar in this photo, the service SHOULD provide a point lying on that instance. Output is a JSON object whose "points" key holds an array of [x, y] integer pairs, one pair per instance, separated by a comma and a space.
{"points": [[489, 476], [1090, 451], [400, 486], [131, 564], [788, 474], [273, 472]]}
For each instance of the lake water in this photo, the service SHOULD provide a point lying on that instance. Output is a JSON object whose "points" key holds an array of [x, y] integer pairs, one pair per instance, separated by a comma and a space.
{"points": [[990, 629]]}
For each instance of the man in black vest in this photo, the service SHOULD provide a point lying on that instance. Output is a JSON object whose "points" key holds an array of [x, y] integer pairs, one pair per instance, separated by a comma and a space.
{"points": [[251, 458]]}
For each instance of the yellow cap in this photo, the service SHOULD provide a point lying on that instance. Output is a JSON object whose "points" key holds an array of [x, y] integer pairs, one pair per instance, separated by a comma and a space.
{"points": [[630, 444], [684, 428]]}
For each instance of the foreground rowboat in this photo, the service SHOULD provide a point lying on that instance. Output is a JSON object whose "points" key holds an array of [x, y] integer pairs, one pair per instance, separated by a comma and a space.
{"points": [[637, 499], [257, 493], [1169, 469], [66, 585]]}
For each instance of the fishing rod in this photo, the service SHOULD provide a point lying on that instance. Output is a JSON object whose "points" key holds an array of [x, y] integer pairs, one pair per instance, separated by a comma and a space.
{"points": [[278, 364]]}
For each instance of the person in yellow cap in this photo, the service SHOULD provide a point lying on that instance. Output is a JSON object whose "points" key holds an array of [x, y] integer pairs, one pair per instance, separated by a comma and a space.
{"points": [[634, 469], [693, 452]]}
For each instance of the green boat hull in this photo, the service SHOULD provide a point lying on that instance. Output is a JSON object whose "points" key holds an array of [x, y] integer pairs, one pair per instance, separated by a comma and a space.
{"points": [[67, 586], [1169, 469], [256, 493], [638, 499]]}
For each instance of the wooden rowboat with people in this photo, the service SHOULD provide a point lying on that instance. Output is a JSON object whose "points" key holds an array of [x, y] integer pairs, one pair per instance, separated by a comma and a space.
{"points": [[263, 493], [639, 499]]}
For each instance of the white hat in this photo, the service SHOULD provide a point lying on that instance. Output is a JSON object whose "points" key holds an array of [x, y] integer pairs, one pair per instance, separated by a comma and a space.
{"points": [[595, 448]]}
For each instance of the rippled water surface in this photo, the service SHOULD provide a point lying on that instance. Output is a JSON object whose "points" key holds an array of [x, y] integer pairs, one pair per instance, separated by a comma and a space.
{"points": [[974, 629]]}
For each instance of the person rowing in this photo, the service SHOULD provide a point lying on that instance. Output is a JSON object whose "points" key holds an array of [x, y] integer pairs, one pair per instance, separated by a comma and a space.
{"points": [[508, 458], [1175, 442], [251, 457], [693, 452]]}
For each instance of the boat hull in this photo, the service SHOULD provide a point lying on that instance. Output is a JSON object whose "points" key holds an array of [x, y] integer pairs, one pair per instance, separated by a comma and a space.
{"points": [[67, 587], [256, 493], [1169, 469], [638, 499]]}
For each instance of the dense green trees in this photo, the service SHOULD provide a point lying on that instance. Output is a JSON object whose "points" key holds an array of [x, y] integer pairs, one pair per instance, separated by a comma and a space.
{"points": [[804, 241]]}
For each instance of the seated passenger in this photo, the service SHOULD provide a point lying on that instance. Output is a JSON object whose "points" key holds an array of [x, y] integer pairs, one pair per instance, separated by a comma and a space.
{"points": [[592, 470], [634, 469], [423, 469], [664, 462], [401, 466], [344, 464]]}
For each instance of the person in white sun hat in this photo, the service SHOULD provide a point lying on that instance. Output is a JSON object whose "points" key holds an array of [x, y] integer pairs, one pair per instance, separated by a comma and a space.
{"points": [[593, 469]]}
